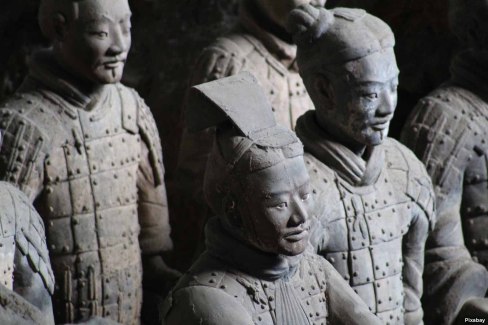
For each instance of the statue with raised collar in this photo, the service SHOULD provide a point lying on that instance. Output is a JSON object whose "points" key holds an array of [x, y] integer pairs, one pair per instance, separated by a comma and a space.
{"points": [[259, 44], [85, 150], [448, 131], [256, 269], [375, 232]]}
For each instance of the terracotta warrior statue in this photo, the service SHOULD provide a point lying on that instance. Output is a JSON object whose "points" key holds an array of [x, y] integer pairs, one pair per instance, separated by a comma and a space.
{"points": [[261, 45], [448, 130], [26, 278], [85, 150], [374, 233], [256, 269]]}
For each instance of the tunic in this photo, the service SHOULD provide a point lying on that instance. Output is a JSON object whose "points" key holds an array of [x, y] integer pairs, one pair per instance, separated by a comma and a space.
{"points": [[373, 218], [92, 165]]}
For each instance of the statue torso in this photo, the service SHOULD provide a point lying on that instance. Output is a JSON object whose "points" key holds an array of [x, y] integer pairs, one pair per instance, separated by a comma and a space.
{"points": [[259, 297], [88, 201], [450, 132], [364, 227], [283, 86]]}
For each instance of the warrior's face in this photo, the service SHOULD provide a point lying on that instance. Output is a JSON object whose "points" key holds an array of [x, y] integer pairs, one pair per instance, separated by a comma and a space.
{"points": [[278, 10], [94, 46], [361, 105], [275, 207]]}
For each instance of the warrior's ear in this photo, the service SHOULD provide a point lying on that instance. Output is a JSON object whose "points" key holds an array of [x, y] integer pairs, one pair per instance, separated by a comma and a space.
{"points": [[59, 25], [231, 211], [323, 88]]}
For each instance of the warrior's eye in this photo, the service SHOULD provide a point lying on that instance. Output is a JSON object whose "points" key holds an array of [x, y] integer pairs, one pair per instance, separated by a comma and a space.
{"points": [[370, 96], [99, 34], [282, 205], [305, 197]]}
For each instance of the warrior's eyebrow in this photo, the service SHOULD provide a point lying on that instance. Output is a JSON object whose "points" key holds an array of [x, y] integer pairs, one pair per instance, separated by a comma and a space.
{"points": [[128, 16], [107, 18], [376, 82]]}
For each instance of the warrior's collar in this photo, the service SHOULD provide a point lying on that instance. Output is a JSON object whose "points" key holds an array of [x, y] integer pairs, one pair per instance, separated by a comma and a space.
{"points": [[468, 70], [285, 52], [46, 71], [244, 258], [338, 157]]}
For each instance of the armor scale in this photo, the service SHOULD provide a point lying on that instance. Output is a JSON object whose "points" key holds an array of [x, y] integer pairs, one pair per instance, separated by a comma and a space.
{"points": [[87, 169]]}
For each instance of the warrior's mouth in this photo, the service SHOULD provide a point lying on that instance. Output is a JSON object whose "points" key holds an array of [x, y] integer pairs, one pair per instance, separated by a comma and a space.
{"points": [[381, 125], [299, 233], [113, 64]]}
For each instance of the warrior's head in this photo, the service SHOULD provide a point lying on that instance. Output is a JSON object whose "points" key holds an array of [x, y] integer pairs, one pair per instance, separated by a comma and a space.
{"points": [[346, 60], [256, 180], [469, 22], [90, 38]]}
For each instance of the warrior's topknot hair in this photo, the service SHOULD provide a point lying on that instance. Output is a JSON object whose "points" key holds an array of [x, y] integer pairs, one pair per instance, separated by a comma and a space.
{"points": [[331, 37], [308, 24]]}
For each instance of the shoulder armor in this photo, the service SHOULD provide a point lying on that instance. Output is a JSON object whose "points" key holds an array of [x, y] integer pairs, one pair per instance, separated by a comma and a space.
{"points": [[416, 182], [7, 210], [211, 272], [324, 183], [203, 305], [206, 277], [129, 102], [31, 238], [16, 310], [24, 142], [443, 132], [225, 57], [19, 218], [148, 131]]}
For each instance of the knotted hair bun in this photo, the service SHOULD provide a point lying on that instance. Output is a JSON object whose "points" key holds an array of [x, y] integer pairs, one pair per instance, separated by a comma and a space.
{"points": [[308, 23], [334, 37]]}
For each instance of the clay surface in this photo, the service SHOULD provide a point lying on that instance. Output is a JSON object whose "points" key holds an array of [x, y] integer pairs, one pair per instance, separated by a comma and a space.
{"points": [[259, 44], [375, 236], [448, 131], [86, 151], [255, 269], [26, 278]]}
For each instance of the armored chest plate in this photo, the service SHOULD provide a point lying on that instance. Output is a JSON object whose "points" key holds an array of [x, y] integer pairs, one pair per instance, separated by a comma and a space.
{"points": [[260, 297], [89, 204], [284, 87], [365, 233], [474, 207]]}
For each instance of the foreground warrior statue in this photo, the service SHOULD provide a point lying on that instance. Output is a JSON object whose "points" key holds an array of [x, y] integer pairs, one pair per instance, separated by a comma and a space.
{"points": [[375, 235], [448, 130], [85, 150], [26, 278], [259, 44], [255, 269]]}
